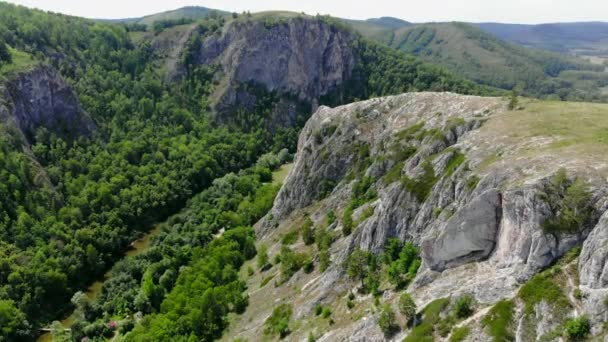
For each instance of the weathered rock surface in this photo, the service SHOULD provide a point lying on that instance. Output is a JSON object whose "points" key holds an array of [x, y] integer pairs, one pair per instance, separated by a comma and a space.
{"points": [[302, 58], [481, 229], [470, 235], [593, 264], [41, 98]]}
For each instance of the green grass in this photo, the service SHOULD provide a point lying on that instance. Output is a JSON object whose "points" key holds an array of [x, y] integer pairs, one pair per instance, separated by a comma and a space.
{"points": [[498, 322], [431, 316], [278, 176], [455, 162], [460, 334], [22, 61], [543, 287], [421, 187], [266, 280]]}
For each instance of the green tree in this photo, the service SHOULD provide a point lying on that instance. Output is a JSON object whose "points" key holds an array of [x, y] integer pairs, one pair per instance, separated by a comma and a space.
{"points": [[11, 320], [263, 260], [278, 322], [387, 321], [407, 306], [359, 265], [308, 233], [5, 54]]}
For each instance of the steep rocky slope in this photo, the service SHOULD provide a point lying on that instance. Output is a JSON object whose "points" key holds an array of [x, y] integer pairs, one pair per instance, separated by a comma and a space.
{"points": [[479, 188], [302, 58], [39, 97]]}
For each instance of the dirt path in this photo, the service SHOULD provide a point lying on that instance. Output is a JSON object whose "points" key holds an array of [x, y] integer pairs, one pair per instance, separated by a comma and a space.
{"points": [[572, 287]]}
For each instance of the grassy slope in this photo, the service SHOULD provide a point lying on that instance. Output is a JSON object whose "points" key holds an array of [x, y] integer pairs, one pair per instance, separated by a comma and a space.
{"points": [[471, 52], [22, 61], [544, 136]]}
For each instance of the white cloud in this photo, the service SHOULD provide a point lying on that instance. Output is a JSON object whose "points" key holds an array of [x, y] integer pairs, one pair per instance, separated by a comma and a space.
{"points": [[514, 11]]}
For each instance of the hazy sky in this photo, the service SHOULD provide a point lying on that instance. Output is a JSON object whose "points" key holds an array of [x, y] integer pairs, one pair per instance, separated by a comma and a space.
{"points": [[512, 11]]}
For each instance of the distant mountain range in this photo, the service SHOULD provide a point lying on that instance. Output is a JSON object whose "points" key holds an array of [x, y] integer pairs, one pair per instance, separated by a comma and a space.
{"points": [[493, 54], [586, 38]]}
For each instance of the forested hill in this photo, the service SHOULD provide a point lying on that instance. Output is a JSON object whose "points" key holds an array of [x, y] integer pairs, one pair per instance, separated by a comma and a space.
{"points": [[72, 203], [498, 55], [484, 58]]}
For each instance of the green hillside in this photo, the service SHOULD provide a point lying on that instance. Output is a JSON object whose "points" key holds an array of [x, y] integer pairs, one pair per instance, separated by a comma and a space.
{"points": [[483, 58]]}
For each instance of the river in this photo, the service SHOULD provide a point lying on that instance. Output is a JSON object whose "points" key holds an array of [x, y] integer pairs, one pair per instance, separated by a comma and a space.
{"points": [[138, 247]]}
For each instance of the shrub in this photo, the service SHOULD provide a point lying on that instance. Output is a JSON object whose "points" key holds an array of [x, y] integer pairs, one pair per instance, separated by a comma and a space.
{"points": [[407, 306], [308, 266], [577, 329], [330, 218], [326, 312], [5, 54], [250, 271], [387, 321], [347, 221], [263, 260], [498, 321], [463, 307], [308, 233], [291, 262], [278, 322], [318, 309], [402, 270], [290, 238]]}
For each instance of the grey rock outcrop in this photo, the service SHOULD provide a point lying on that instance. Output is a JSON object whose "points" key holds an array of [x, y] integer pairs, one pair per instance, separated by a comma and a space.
{"points": [[593, 264], [470, 235], [302, 58], [41, 98], [481, 229]]}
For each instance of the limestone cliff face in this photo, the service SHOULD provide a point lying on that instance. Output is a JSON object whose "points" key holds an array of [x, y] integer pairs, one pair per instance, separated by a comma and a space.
{"points": [[41, 98], [298, 57], [479, 225]]}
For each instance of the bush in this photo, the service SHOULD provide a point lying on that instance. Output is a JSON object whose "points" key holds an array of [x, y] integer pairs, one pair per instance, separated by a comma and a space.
{"points": [[278, 322], [308, 233], [5, 54], [263, 260], [463, 307], [290, 238], [347, 221], [404, 269], [318, 309], [326, 312], [387, 321], [291, 262], [577, 329], [407, 306]]}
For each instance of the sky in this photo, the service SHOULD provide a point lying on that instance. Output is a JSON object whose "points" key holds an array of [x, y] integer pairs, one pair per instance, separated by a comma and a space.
{"points": [[505, 11]]}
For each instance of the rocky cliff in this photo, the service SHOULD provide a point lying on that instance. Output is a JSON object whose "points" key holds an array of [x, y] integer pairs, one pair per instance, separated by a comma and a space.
{"points": [[40, 98], [493, 199], [297, 60]]}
